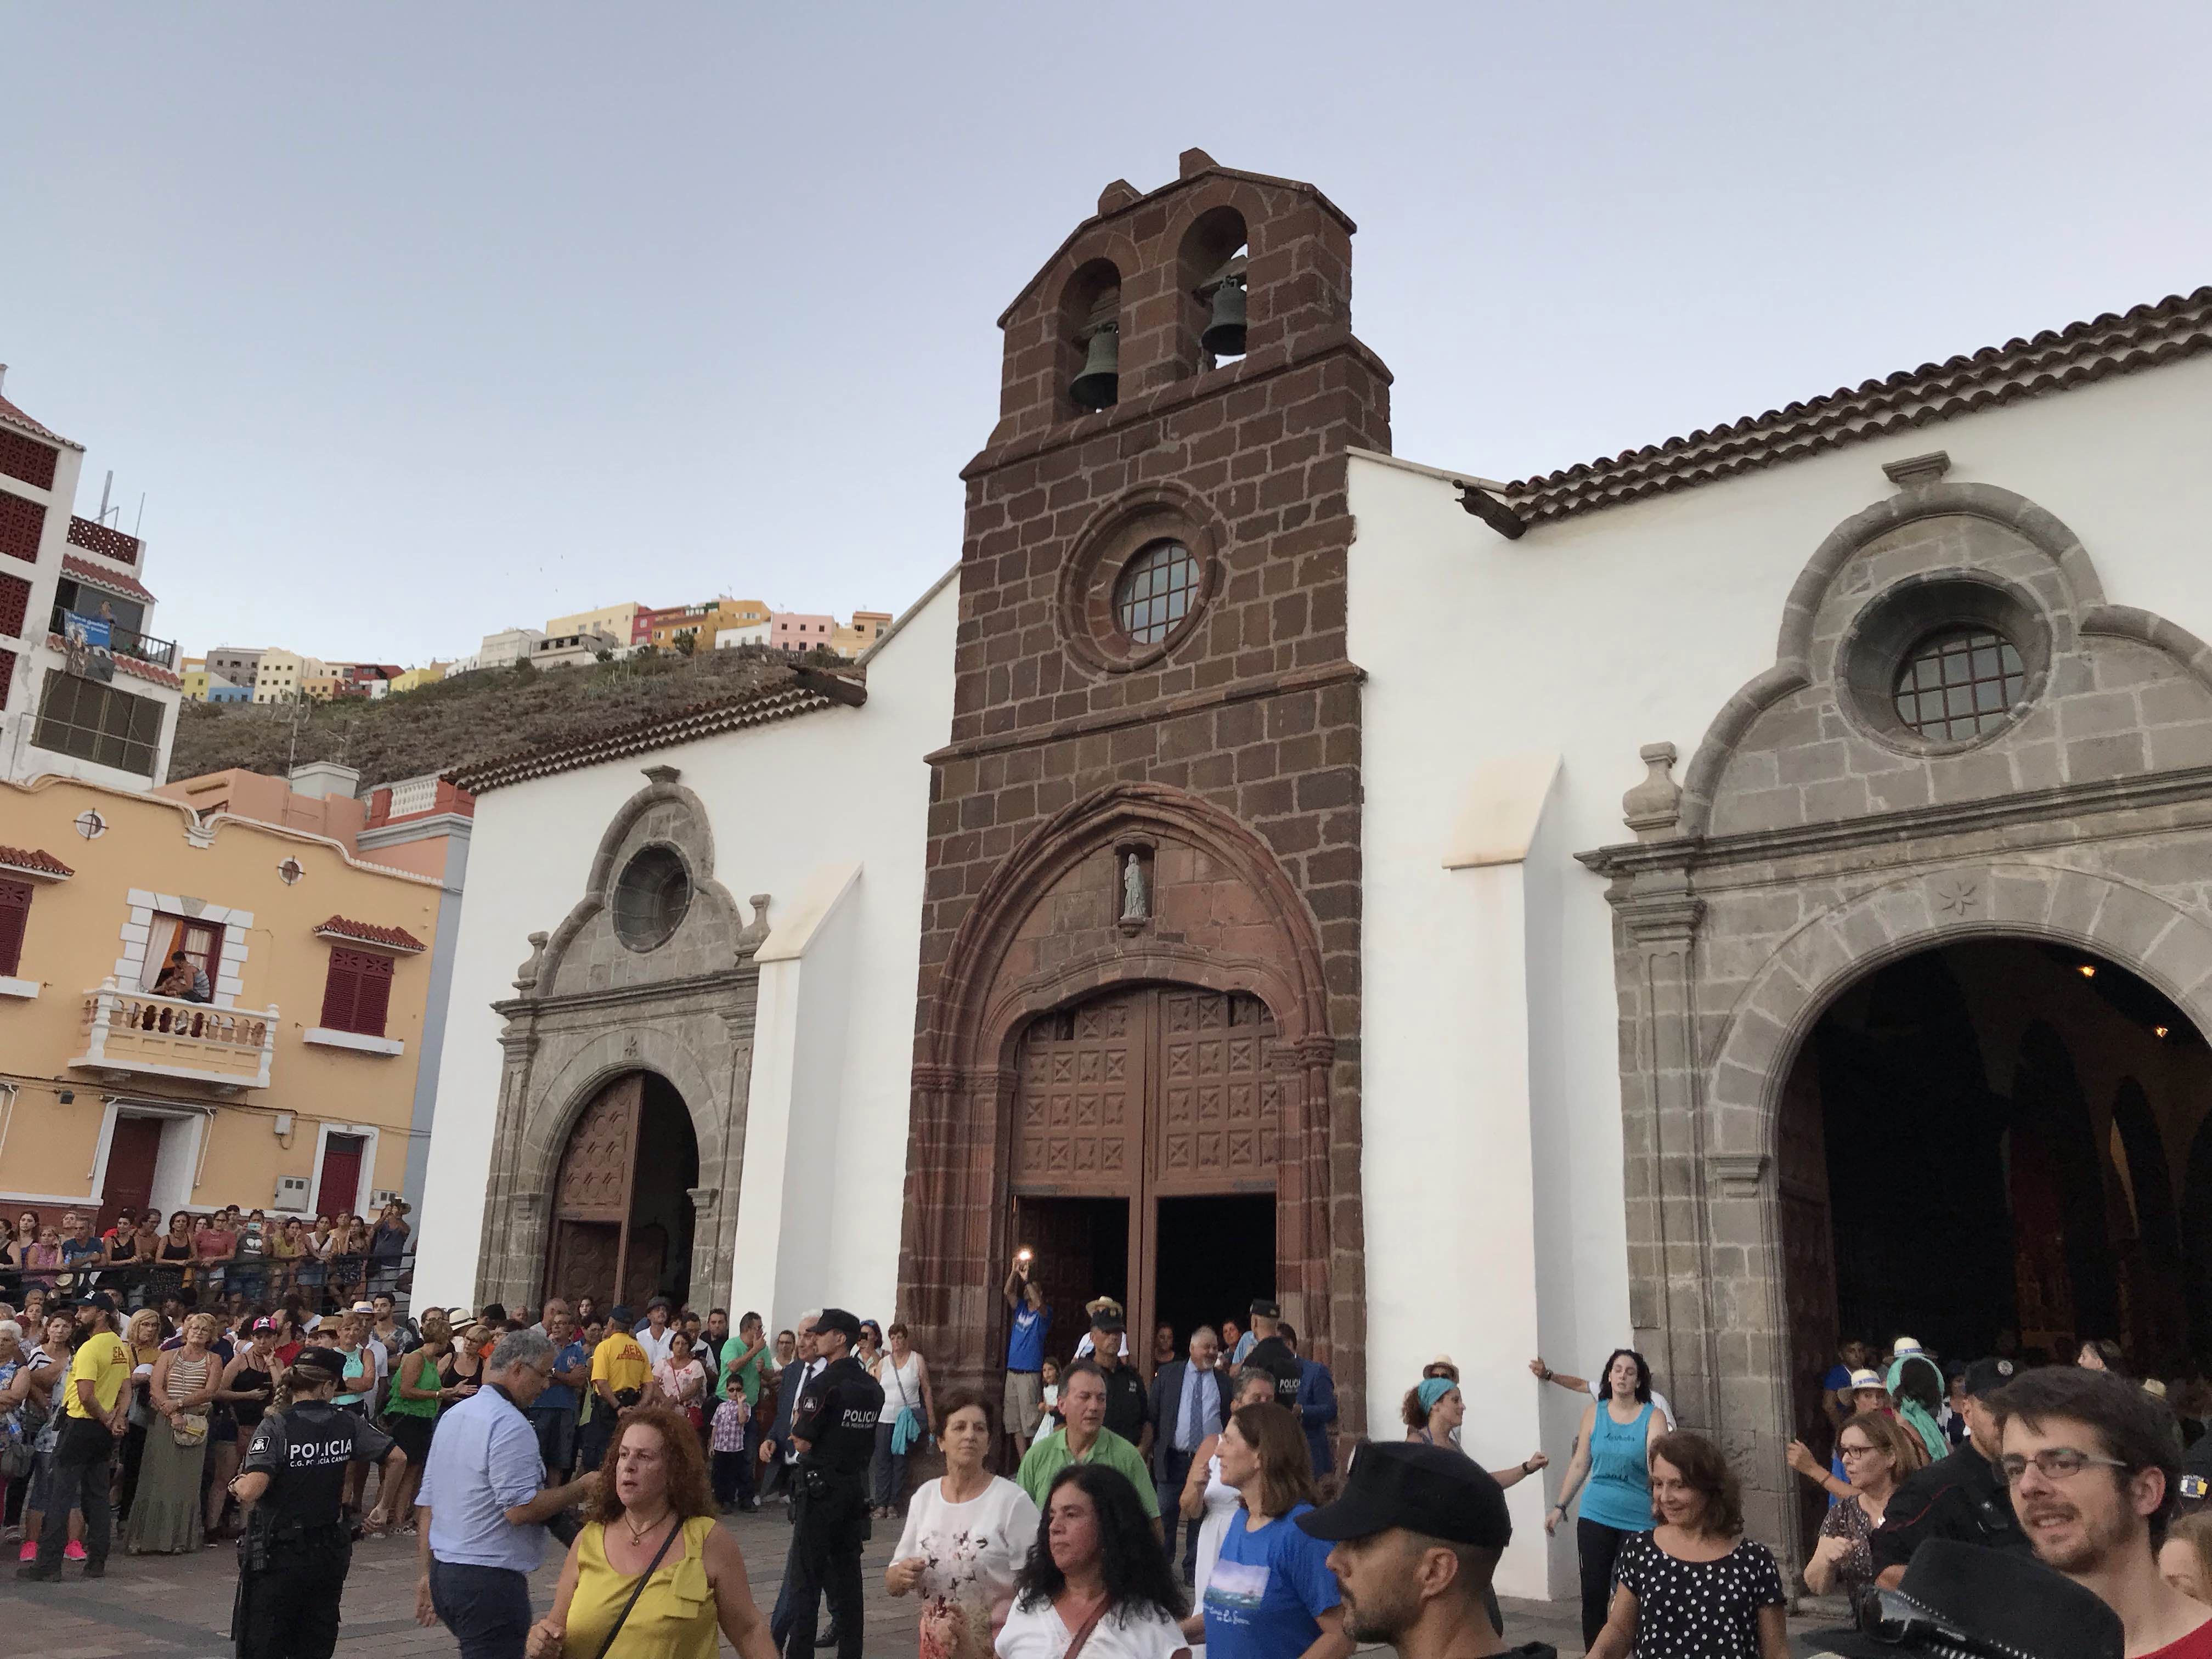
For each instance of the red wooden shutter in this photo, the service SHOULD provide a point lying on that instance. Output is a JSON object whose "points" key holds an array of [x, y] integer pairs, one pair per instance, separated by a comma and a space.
{"points": [[14, 915], [358, 993], [375, 997], [341, 990]]}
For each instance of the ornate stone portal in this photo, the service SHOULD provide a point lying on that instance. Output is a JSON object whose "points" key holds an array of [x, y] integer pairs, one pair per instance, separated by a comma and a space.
{"points": [[650, 972], [1818, 835]]}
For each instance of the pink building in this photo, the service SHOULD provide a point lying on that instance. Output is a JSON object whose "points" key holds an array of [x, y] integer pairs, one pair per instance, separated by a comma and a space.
{"points": [[800, 630]]}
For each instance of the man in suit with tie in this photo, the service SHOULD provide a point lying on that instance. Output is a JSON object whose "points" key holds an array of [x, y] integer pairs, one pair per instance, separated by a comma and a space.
{"points": [[1190, 1401]]}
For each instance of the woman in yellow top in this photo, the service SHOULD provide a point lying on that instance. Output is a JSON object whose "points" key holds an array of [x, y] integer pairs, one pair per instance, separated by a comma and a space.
{"points": [[653, 1485]]}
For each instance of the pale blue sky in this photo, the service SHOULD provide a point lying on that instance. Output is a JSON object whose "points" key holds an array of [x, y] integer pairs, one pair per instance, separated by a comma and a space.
{"points": [[413, 321]]}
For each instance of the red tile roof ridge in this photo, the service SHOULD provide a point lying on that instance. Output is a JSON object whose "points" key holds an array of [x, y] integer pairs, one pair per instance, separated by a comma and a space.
{"points": [[34, 859], [114, 581], [367, 932], [2144, 336], [12, 416], [804, 692]]}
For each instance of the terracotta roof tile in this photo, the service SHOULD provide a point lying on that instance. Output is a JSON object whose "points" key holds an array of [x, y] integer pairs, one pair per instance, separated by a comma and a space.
{"points": [[365, 932], [806, 691], [36, 859], [113, 580], [2176, 327], [23, 422]]}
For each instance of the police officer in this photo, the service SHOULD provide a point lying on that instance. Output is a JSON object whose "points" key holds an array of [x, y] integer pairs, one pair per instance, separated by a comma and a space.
{"points": [[1964, 1498], [833, 1427], [297, 1547]]}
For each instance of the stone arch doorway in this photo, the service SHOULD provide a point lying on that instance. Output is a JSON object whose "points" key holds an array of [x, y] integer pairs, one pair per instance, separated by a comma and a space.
{"points": [[622, 1218], [1143, 1164], [1974, 1147]]}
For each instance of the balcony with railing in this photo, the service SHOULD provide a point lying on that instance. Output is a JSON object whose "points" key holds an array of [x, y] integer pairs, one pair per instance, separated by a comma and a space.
{"points": [[124, 641], [137, 1033]]}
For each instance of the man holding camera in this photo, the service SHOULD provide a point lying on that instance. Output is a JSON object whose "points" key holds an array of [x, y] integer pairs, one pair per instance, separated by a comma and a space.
{"points": [[1032, 1323]]}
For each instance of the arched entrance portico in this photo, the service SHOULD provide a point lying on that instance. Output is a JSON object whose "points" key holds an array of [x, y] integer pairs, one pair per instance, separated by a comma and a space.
{"points": [[1960, 740], [1741, 1332], [1206, 929]]}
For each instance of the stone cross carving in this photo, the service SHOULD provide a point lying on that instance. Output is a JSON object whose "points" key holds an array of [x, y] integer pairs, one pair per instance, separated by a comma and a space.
{"points": [[1132, 891]]}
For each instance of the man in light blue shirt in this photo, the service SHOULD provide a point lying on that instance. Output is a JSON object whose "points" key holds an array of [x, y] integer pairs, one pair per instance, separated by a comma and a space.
{"points": [[1189, 1402], [482, 1509]]}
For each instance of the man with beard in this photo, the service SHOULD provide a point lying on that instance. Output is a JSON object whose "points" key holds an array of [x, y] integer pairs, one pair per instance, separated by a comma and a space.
{"points": [[1963, 1498], [2093, 1464], [1418, 1533]]}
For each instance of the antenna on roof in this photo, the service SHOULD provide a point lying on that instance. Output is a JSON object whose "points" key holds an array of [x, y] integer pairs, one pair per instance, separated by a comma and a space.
{"points": [[140, 522], [103, 489]]}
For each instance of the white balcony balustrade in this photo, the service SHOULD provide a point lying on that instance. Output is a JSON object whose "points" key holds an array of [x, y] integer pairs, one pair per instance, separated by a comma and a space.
{"points": [[137, 1033]]}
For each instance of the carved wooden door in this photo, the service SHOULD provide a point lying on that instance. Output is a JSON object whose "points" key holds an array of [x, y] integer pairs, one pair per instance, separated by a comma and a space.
{"points": [[1079, 1125], [1161, 1091], [590, 1242]]}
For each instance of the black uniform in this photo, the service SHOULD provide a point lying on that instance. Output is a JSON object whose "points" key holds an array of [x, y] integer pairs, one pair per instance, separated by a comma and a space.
{"points": [[1129, 1404], [1272, 1355], [1961, 1498], [836, 1416], [297, 1547]]}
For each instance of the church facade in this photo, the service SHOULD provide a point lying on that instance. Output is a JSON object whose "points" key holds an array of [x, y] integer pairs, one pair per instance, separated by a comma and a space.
{"points": [[1808, 833]]}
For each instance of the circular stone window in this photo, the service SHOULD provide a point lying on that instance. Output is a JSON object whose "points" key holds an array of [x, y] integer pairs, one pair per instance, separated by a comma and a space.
{"points": [[650, 897], [1156, 591], [1945, 663], [1960, 682]]}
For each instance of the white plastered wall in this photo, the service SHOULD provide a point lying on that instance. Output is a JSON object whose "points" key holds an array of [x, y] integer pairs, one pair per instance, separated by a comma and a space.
{"points": [[1586, 639], [842, 789]]}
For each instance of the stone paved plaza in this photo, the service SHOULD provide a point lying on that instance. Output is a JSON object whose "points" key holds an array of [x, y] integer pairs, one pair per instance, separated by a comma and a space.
{"points": [[179, 1607]]}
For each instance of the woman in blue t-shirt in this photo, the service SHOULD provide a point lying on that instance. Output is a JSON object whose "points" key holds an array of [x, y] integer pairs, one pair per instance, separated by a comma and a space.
{"points": [[1271, 1594]]}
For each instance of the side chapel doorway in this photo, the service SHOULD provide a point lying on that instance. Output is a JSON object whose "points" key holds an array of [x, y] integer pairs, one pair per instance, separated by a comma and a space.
{"points": [[622, 1205]]}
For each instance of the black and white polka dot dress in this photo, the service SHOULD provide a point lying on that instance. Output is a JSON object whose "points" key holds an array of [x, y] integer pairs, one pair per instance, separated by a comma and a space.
{"points": [[1698, 1609]]}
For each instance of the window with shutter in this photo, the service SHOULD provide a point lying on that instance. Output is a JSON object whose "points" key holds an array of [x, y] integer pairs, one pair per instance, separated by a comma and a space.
{"points": [[358, 993], [15, 916]]}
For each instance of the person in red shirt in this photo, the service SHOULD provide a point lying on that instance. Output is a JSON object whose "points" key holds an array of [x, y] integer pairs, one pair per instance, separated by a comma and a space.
{"points": [[2094, 1467]]}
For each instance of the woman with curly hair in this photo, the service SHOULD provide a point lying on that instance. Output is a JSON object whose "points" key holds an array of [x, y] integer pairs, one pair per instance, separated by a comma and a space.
{"points": [[1694, 1586], [1095, 1578], [650, 1529]]}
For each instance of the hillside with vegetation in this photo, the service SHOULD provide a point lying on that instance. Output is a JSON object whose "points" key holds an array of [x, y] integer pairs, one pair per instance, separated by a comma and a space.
{"points": [[470, 718]]}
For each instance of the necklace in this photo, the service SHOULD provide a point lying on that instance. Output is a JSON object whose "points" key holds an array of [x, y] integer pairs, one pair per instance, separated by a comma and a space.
{"points": [[638, 1535]]}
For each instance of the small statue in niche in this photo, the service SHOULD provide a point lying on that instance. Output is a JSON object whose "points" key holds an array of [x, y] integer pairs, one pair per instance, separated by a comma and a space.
{"points": [[1132, 891]]}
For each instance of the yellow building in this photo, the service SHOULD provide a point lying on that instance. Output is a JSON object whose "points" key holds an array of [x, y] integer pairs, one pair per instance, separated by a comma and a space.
{"points": [[292, 1088], [429, 674], [320, 688], [613, 620], [276, 676], [196, 680], [853, 638], [703, 622]]}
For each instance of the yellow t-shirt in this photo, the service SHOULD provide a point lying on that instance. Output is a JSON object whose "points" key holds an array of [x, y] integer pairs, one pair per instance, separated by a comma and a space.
{"points": [[620, 1363], [107, 1362]]}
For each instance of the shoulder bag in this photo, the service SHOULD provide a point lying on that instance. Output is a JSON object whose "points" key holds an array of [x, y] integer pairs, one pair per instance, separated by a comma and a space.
{"points": [[1082, 1636], [638, 1589]]}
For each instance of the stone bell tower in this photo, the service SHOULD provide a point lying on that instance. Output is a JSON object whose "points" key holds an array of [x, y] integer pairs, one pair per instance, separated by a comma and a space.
{"points": [[1139, 968]]}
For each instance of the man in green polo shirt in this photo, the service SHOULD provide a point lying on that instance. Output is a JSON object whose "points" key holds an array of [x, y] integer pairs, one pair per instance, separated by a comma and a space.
{"points": [[1086, 1439]]}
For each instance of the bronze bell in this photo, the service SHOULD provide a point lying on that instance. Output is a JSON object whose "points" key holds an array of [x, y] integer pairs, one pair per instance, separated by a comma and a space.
{"points": [[1100, 383], [1224, 335]]}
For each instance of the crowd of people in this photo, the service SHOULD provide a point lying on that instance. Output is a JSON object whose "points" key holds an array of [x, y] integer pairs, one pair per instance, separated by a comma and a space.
{"points": [[1150, 1503], [221, 1261]]}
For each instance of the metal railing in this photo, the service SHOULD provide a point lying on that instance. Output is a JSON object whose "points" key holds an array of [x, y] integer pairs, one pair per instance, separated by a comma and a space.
{"points": [[319, 1284], [123, 641]]}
